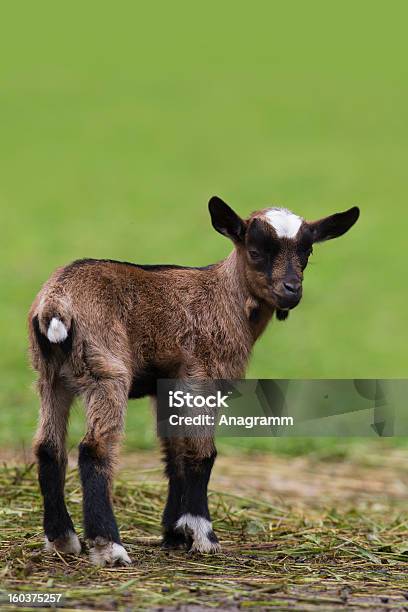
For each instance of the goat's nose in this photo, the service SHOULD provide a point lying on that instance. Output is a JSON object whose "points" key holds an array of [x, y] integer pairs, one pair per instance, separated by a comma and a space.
{"points": [[292, 286]]}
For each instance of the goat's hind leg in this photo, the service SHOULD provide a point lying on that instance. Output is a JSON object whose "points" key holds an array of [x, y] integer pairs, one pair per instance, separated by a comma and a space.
{"points": [[105, 406], [49, 447]]}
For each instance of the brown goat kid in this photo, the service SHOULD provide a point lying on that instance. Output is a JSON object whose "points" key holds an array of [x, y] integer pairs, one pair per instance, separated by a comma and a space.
{"points": [[107, 330]]}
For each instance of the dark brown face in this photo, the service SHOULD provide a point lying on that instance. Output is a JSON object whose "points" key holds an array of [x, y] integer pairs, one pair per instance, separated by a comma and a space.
{"points": [[275, 245], [274, 265]]}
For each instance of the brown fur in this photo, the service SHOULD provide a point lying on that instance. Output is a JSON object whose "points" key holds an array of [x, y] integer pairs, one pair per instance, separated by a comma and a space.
{"points": [[127, 318], [193, 323]]}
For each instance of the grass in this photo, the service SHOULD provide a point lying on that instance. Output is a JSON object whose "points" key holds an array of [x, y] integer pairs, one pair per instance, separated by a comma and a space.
{"points": [[276, 554], [115, 134]]}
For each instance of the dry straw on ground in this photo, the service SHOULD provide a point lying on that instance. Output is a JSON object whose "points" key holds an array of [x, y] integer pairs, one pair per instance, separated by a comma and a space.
{"points": [[276, 554]]}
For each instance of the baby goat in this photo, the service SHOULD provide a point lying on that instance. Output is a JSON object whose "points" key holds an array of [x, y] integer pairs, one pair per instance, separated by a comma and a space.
{"points": [[107, 330]]}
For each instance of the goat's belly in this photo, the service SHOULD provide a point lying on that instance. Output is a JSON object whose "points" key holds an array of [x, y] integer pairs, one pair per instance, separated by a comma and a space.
{"points": [[144, 381]]}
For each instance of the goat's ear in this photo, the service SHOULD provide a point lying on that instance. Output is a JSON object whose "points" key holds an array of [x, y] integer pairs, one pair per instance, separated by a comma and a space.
{"points": [[335, 225], [225, 220]]}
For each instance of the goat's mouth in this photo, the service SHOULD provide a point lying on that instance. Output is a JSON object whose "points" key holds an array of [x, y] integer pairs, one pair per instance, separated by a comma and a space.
{"points": [[285, 302]]}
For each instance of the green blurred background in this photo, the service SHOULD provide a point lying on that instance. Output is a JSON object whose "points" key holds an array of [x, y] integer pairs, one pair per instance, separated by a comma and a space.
{"points": [[120, 120]]}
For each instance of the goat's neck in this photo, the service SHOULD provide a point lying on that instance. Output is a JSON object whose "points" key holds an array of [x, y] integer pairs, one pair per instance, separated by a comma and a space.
{"points": [[251, 313]]}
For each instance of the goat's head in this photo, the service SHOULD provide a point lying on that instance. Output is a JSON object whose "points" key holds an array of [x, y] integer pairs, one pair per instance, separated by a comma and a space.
{"points": [[274, 246]]}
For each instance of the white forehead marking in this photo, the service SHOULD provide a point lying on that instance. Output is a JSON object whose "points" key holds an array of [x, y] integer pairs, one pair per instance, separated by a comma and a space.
{"points": [[285, 223]]}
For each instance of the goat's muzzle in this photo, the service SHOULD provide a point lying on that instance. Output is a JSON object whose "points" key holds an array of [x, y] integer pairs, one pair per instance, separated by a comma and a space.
{"points": [[288, 294]]}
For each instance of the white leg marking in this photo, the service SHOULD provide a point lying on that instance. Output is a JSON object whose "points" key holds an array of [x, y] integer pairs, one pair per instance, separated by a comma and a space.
{"points": [[57, 332], [103, 553], [69, 544], [285, 223], [200, 530]]}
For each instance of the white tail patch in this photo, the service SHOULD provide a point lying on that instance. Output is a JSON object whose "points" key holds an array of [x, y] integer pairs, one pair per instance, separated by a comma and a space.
{"points": [[285, 223], [57, 332]]}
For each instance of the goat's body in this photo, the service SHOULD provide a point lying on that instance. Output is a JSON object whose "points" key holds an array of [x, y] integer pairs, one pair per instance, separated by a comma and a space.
{"points": [[150, 322], [136, 325]]}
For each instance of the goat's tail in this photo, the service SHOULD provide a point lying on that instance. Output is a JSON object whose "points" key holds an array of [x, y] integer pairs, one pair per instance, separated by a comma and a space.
{"points": [[52, 323], [55, 317]]}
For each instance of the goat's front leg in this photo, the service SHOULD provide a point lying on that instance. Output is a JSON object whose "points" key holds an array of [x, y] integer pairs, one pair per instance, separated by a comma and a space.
{"points": [[174, 470], [105, 405], [186, 518], [51, 454]]}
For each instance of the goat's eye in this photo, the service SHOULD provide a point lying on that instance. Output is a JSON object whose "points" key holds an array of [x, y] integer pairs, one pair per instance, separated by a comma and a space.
{"points": [[254, 255]]}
